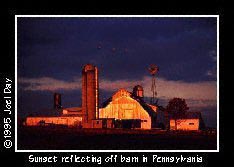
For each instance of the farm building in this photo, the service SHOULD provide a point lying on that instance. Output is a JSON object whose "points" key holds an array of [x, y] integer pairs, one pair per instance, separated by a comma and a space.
{"points": [[129, 110], [191, 121], [70, 117]]}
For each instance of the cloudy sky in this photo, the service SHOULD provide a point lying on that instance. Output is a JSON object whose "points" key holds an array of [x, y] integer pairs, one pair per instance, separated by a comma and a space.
{"points": [[52, 51]]}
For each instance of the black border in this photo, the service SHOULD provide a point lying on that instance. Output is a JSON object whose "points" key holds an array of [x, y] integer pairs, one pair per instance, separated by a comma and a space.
{"points": [[115, 8]]}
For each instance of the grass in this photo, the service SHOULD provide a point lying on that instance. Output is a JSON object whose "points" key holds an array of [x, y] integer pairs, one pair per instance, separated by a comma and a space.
{"points": [[61, 138]]}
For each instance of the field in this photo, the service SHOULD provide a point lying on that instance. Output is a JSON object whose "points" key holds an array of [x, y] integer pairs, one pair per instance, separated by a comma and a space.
{"points": [[61, 138]]}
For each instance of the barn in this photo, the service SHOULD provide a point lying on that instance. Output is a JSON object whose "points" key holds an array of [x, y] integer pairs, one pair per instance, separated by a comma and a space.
{"points": [[191, 121], [129, 110], [70, 117]]}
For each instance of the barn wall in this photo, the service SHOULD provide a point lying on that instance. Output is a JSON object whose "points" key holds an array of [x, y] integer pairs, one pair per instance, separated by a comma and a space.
{"points": [[185, 124], [109, 124], [69, 121], [124, 107], [96, 123], [146, 123]]}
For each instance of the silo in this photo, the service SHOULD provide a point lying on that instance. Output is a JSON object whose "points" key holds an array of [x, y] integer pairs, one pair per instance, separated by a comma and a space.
{"points": [[89, 93], [57, 101], [138, 91]]}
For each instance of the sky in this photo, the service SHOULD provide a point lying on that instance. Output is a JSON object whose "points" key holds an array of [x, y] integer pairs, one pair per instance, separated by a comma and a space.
{"points": [[52, 51]]}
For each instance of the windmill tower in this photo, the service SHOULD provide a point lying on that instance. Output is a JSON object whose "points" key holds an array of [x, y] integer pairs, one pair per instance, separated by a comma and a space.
{"points": [[153, 69]]}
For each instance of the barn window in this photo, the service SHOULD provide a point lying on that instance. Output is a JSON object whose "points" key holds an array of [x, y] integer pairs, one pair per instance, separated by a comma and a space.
{"points": [[191, 123], [97, 122]]}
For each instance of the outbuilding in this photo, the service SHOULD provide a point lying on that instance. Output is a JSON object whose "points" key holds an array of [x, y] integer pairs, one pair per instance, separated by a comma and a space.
{"points": [[191, 121]]}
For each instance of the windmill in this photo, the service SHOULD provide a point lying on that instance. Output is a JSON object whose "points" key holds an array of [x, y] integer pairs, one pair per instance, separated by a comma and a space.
{"points": [[153, 69]]}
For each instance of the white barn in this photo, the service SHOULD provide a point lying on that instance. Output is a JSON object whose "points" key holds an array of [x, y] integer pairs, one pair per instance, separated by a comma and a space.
{"points": [[127, 108]]}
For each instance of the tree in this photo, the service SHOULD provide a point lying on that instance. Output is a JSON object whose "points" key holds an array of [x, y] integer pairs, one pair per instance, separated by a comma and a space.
{"points": [[177, 108]]}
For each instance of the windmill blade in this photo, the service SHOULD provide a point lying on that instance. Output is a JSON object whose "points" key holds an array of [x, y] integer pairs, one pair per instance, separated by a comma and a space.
{"points": [[153, 69]]}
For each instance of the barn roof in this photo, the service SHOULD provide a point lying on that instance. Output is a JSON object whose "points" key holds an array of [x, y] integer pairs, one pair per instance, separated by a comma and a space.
{"points": [[191, 115], [146, 107]]}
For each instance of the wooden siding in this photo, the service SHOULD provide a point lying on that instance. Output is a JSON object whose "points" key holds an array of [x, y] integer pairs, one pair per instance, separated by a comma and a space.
{"points": [[123, 106], [185, 124], [69, 121]]}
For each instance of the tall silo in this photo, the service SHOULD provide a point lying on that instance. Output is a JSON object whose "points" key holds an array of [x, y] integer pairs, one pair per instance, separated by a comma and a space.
{"points": [[89, 93]]}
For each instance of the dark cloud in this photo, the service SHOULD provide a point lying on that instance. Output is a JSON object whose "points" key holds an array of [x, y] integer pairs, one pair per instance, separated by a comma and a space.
{"points": [[59, 47]]}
